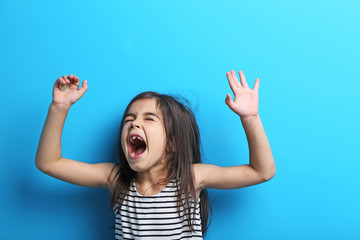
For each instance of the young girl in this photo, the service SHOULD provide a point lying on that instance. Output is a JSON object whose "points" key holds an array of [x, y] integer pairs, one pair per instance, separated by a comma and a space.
{"points": [[159, 187]]}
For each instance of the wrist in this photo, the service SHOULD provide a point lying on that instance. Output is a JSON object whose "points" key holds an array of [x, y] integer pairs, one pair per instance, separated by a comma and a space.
{"points": [[248, 119], [60, 106]]}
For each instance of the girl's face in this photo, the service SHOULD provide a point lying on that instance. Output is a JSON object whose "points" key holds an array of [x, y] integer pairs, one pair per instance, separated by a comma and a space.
{"points": [[143, 137]]}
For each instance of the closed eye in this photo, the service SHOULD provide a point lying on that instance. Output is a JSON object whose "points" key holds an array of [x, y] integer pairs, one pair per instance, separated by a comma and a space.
{"points": [[149, 119]]}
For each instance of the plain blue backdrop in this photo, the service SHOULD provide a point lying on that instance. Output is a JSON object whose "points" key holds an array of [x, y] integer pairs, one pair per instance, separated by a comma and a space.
{"points": [[306, 54]]}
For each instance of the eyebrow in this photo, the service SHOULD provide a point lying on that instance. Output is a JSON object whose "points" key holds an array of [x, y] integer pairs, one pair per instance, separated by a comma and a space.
{"points": [[151, 114], [144, 114]]}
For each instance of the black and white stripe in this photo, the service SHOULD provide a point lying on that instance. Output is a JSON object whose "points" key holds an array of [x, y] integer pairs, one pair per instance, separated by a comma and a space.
{"points": [[155, 217]]}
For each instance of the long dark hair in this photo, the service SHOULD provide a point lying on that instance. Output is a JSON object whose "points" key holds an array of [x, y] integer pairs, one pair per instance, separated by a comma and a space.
{"points": [[183, 140]]}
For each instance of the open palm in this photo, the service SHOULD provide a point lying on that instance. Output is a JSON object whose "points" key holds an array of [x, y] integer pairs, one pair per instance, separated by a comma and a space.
{"points": [[246, 100]]}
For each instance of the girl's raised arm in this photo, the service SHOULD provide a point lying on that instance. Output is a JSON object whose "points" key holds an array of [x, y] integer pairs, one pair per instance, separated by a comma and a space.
{"points": [[262, 166], [48, 156]]}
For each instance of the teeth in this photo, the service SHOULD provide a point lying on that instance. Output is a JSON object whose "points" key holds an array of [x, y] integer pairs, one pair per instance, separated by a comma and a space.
{"points": [[132, 140], [136, 137]]}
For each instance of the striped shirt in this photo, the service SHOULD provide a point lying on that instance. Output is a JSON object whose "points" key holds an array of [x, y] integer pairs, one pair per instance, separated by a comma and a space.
{"points": [[154, 217]]}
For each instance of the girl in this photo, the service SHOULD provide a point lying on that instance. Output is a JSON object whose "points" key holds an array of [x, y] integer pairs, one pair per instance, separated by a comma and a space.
{"points": [[159, 187]]}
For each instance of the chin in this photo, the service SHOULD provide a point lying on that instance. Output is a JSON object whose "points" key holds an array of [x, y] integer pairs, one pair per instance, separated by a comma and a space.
{"points": [[135, 167]]}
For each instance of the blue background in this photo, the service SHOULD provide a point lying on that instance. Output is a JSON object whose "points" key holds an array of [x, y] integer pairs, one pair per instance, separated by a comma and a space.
{"points": [[306, 54]]}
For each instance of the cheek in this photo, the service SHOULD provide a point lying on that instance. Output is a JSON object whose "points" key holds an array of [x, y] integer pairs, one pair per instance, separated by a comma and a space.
{"points": [[163, 141], [156, 140]]}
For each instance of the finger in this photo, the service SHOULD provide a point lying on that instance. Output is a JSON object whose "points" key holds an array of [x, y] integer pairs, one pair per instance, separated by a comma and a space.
{"points": [[66, 79], [71, 78], [229, 101], [242, 79], [76, 81], [57, 82], [257, 84], [235, 79], [231, 82], [60, 80], [83, 88]]}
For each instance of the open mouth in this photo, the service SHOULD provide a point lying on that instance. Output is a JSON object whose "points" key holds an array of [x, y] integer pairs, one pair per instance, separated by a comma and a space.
{"points": [[137, 146]]}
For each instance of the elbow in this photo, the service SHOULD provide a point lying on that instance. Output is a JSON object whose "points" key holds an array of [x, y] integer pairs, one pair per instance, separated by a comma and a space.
{"points": [[41, 166], [38, 161], [46, 167], [269, 175], [44, 163], [37, 164]]}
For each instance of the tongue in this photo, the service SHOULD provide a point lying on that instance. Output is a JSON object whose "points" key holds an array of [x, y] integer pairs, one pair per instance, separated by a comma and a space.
{"points": [[139, 151]]}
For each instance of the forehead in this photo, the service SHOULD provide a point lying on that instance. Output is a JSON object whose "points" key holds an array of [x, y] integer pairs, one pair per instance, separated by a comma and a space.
{"points": [[145, 105]]}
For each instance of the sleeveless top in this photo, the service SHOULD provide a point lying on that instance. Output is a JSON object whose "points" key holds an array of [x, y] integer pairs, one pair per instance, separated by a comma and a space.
{"points": [[155, 217]]}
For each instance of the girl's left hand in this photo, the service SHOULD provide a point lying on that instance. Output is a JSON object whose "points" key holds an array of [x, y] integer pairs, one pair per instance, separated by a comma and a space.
{"points": [[246, 102]]}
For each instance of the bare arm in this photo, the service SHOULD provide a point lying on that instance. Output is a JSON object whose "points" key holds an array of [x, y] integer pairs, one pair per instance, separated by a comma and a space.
{"points": [[262, 166], [49, 148], [48, 156]]}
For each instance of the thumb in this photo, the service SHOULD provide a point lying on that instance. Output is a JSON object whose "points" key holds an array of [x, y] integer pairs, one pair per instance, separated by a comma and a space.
{"points": [[83, 88], [257, 84], [229, 101]]}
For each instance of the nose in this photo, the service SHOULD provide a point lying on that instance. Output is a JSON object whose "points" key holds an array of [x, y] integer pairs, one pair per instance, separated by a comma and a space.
{"points": [[134, 124]]}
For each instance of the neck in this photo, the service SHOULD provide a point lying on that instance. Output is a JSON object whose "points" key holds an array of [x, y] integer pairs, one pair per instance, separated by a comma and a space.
{"points": [[150, 184]]}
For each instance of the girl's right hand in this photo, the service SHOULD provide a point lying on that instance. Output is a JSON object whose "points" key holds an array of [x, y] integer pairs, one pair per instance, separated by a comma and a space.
{"points": [[73, 94]]}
